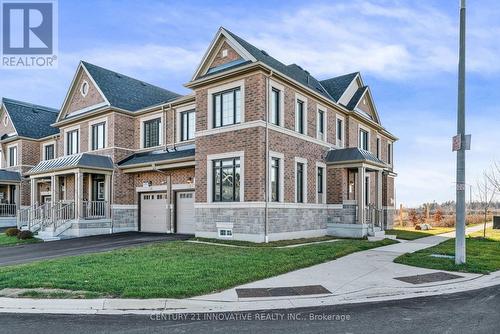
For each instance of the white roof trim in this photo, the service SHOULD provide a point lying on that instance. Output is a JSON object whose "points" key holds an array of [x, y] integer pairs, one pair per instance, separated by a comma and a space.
{"points": [[343, 93], [370, 97], [10, 119], [231, 41]]}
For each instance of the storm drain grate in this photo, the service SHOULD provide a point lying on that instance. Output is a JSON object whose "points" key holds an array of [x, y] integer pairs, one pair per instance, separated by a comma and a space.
{"points": [[428, 278], [282, 291]]}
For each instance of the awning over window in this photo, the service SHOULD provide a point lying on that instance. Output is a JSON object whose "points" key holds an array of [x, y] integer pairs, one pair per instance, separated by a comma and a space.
{"points": [[353, 155], [82, 160]]}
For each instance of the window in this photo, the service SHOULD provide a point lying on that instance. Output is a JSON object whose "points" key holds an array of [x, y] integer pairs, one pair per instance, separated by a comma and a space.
{"points": [[98, 136], [363, 139], [275, 180], [100, 191], [187, 125], [340, 132], [389, 153], [49, 152], [84, 88], [12, 156], [72, 142], [227, 107], [321, 124], [378, 148], [226, 180], [275, 106], [152, 133], [300, 182], [225, 233], [320, 184], [299, 117]]}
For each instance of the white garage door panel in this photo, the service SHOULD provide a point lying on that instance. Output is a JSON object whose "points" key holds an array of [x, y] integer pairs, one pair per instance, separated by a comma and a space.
{"points": [[154, 212], [185, 212]]}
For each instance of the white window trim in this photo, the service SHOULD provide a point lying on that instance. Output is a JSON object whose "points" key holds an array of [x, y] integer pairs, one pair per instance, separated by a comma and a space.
{"points": [[303, 161], [325, 122], [148, 118], [106, 133], [321, 165], [84, 82], [368, 131], [342, 143], [281, 88], [304, 117], [221, 88], [52, 142], [16, 159], [281, 176], [178, 129], [65, 134], [227, 155], [390, 152]]}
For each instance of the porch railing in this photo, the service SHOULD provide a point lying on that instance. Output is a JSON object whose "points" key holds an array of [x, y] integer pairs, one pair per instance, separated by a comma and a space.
{"points": [[374, 217], [62, 213], [95, 210], [8, 210]]}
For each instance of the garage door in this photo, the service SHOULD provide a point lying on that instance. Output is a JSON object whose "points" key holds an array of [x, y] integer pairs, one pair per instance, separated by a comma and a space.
{"points": [[154, 212], [185, 212]]}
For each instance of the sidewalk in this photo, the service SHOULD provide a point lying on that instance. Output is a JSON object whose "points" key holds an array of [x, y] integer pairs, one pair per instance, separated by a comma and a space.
{"points": [[359, 277]]}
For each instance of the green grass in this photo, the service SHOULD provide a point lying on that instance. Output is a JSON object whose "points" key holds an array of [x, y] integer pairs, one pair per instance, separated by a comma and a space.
{"points": [[490, 234], [172, 269], [12, 241], [483, 255], [409, 233], [280, 243]]}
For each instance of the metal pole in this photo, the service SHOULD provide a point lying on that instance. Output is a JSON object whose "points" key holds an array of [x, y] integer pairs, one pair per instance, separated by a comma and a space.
{"points": [[460, 191]]}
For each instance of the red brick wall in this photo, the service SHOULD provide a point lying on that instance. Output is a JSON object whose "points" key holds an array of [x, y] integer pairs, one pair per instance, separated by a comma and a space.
{"points": [[77, 101], [232, 55]]}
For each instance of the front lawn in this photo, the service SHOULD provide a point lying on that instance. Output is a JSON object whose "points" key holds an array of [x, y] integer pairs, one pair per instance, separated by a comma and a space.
{"points": [[12, 241], [279, 243], [409, 233], [172, 269], [483, 255]]}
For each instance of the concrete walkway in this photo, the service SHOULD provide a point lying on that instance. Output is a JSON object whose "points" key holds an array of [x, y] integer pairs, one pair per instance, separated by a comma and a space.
{"points": [[359, 277]]}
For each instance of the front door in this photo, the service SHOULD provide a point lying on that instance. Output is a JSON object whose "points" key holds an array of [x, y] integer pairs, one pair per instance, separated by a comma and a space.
{"points": [[98, 189]]}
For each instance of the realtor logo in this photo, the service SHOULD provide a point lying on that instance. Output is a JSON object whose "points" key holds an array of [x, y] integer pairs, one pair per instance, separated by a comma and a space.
{"points": [[29, 34]]}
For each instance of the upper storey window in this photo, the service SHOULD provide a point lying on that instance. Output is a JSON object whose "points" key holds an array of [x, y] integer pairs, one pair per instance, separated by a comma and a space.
{"points": [[98, 136], [275, 106], [152, 132], [363, 139], [321, 125], [72, 146], [299, 116], [187, 125], [12, 156], [48, 152], [227, 107]]}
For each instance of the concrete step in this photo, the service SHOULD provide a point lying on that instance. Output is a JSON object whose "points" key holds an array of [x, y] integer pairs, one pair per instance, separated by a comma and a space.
{"points": [[391, 236], [376, 238]]}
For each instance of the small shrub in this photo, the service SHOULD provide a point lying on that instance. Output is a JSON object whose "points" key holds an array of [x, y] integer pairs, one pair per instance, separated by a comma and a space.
{"points": [[23, 235], [418, 227], [12, 232]]}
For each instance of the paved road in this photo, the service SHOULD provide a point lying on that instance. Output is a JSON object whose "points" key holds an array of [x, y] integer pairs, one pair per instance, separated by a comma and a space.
{"points": [[99, 243], [466, 312]]}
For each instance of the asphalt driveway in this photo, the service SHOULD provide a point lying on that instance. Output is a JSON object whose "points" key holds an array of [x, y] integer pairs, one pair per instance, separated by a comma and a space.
{"points": [[93, 244]]}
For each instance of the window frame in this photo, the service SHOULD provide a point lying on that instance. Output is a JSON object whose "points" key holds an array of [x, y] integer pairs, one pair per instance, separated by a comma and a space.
{"points": [[236, 164], [210, 176], [342, 132], [45, 146], [12, 159], [321, 113], [299, 117], [147, 122], [214, 101], [361, 130], [211, 103], [321, 166], [93, 136], [70, 141], [389, 153], [187, 113], [281, 178], [303, 185], [379, 147]]}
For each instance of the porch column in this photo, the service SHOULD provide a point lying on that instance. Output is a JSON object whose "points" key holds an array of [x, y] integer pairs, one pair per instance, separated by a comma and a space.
{"points": [[107, 194], [18, 196], [54, 189], [361, 195], [78, 194], [33, 192], [378, 189]]}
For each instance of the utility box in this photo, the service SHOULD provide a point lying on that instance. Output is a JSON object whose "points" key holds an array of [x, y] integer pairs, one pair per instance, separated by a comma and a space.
{"points": [[496, 222]]}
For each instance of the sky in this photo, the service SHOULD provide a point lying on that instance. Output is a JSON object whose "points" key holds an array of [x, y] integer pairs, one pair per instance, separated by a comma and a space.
{"points": [[406, 51]]}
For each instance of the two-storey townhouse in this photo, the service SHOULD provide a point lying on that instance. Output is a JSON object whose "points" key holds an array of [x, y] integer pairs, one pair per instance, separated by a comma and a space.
{"points": [[259, 151], [26, 137]]}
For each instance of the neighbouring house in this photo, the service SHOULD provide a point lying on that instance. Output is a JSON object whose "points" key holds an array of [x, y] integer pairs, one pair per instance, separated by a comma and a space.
{"points": [[258, 151]]}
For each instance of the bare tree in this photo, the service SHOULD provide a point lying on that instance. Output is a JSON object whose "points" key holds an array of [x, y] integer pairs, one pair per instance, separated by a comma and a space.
{"points": [[486, 192], [493, 176]]}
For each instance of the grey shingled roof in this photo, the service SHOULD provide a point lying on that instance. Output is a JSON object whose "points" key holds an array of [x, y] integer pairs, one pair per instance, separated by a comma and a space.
{"points": [[83, 160], [352, 154], [293, 71], [31, 120], [9, 176], [157, 156], [356, 97], [128, 93], [336, 86]]}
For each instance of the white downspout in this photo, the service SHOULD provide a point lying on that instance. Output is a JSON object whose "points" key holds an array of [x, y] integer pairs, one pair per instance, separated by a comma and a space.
{"points": [[266, 190]]}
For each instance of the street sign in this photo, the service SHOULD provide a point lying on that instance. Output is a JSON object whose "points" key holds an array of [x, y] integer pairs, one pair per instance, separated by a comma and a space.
{"points": [[459, 143]]}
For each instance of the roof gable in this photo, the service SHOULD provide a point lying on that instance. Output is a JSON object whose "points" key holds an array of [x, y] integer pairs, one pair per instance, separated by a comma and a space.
{"points": [[362, 102], [336, 86], [31, 120]]}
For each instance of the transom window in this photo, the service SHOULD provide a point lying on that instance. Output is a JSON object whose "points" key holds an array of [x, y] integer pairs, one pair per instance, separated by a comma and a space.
{"points": [[226, 180], [49, 152], [300, 182], [227, 107], [363, 139], [72, 142], [12, 156], [152, 133], [98, 136], [321, 124], [299, 117], [275, 180], [275, 106], [187, 125]]}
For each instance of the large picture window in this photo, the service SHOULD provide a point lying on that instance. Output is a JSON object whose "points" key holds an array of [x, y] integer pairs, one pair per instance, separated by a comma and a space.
{"points": [[227, 107], [152, 133], [226, 180], [275, 180], [72, 142], [187, 125], [98, 136]]}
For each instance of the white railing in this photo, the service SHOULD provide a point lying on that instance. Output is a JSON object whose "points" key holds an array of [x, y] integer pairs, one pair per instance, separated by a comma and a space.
{"points": [[25, 216], [95, 210], [8, 210], [62, 212]]}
